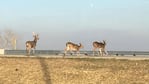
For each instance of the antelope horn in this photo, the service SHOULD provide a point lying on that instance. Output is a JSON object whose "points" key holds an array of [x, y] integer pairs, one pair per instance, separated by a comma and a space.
{"points": [[33, 33]]}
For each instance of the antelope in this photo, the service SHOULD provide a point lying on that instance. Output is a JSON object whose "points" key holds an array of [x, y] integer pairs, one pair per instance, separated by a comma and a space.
{"points": [[100, 46], [32, 44], [73, 47]]}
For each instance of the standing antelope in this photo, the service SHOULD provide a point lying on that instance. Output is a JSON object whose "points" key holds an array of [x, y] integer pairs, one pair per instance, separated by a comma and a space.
{"points": [[31, 44], [73, 47], [100, 46]]}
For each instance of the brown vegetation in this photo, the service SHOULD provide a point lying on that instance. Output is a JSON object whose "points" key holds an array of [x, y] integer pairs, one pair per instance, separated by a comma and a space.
{"points": [[73, 71]]}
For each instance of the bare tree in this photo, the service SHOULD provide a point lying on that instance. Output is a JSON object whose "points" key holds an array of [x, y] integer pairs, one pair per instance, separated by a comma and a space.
{"points": [[8, 39], [1, 40]]}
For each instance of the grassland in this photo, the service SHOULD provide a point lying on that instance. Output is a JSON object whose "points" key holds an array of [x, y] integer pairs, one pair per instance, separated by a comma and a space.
{"points": [[15, 70]]}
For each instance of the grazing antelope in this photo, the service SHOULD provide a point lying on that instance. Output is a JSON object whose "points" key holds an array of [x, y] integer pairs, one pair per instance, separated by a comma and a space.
{"points": [[73, 47], [100, 46], [31, 44]]}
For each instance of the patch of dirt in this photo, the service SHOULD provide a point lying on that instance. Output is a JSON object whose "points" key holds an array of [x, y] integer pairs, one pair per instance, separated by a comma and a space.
{"points": [[17, 70]]}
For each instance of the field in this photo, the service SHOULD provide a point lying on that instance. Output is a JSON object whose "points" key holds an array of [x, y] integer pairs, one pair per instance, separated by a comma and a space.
{"points": [[37, 70]]}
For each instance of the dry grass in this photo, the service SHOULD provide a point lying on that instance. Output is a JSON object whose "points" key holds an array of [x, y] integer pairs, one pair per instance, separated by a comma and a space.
{"points": [[73, 71]]}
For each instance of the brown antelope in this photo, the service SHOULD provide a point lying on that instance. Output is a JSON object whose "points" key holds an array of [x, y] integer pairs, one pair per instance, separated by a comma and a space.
{"points": [[100, 46], [31, 44], [73, 47]]}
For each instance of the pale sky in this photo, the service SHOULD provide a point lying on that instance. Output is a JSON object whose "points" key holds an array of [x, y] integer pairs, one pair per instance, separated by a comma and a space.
{"points": [[122, 23]]}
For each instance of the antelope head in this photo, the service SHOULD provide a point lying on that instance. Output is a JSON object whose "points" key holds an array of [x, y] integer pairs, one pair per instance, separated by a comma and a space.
{"points": [[81, 46], [36, 36]]}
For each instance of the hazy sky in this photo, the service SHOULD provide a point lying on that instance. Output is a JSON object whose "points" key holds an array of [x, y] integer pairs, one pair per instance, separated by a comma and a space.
{"points": [[122, 23]]}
